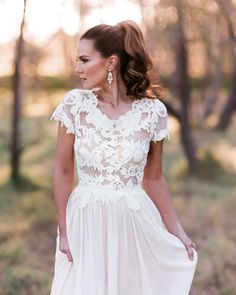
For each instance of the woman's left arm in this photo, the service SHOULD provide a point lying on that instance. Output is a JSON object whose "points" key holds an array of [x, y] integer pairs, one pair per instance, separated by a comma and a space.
{"points": [[156, 187]]}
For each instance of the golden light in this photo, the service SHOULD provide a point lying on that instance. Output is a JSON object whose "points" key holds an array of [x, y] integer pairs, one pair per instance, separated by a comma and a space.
{"points": [[10, 17], [43, 18], [114, 13]]}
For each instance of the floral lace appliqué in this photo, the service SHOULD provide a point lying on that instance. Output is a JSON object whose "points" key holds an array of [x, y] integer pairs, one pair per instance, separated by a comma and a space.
{"points": [[111, 153]]}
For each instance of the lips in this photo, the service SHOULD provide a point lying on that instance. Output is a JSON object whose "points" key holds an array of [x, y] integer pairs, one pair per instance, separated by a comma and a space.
{"points": [[83, 79]]}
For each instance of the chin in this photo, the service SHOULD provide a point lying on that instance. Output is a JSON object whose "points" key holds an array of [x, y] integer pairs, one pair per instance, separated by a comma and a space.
{"points": [[87, 86], [90, 86]]}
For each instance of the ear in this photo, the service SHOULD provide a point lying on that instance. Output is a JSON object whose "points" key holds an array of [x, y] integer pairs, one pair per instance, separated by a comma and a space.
{"points": [[112, 62]]}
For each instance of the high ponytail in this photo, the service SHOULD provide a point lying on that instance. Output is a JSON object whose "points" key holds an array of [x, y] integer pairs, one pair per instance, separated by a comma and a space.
{"points": [[126, 40], [135, 70]]}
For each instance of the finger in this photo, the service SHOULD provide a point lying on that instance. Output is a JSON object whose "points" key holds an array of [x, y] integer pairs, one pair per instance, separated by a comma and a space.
{"points": [[190, 252], [69, 256]]}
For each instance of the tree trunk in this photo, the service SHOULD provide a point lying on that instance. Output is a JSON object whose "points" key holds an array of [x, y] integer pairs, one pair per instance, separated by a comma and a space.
{"points": [[184, 93], [229, 108], [17, 92], [216, 81], [213, 92]]}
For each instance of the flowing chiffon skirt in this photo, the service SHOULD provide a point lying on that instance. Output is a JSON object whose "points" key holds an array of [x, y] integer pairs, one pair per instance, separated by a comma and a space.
{"points": [[120, 246]]}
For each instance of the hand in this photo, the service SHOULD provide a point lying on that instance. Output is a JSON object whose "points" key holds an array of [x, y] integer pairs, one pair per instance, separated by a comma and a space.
{"points": [[64, 247], [188, 243]]}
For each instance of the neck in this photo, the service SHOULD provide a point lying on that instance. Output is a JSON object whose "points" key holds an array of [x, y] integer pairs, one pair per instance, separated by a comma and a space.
{"points": [[114, 94]]}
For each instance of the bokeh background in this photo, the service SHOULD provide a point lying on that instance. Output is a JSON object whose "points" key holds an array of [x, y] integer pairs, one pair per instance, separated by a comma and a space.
{"points": [[193, 44]]}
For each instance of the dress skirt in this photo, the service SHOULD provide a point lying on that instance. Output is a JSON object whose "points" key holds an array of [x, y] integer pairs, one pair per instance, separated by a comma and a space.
{"points": [[120, 246]]}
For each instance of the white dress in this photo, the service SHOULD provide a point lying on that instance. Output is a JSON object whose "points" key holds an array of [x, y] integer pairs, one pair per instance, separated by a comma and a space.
{"points": [[118, 241]]}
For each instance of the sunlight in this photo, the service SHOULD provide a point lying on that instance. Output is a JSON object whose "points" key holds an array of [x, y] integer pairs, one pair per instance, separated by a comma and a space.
{"points": [[43, 18], [70, 20], [10, 17], [112, 14]]}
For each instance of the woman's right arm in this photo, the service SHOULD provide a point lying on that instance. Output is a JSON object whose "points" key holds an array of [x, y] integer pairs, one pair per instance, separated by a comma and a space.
{"points": [[63, 174]]}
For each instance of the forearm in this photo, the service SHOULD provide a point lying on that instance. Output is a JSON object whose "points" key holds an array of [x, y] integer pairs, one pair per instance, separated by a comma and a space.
{"points": [[158, 191], [62, 187]]}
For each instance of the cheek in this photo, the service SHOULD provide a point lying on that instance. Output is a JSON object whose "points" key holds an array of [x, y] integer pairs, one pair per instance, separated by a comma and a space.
{"points": [[96, 69]]}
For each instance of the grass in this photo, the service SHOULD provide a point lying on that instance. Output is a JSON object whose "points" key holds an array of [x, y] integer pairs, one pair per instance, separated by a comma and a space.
{"points": [[206, 207]]}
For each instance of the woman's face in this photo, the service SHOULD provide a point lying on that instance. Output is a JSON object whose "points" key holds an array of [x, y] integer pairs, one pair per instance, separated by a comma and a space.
{"points": [[90, 65]]}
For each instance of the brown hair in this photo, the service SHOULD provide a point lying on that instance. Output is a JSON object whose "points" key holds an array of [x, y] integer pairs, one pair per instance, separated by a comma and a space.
{"points": [[126, 40]]}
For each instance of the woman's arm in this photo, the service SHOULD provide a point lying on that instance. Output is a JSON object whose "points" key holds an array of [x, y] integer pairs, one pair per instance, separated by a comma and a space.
{"points": [[63, 174], [156, 187]]}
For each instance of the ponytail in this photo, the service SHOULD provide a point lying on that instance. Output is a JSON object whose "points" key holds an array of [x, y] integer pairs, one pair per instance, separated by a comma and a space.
{"points": [[134, 69]]}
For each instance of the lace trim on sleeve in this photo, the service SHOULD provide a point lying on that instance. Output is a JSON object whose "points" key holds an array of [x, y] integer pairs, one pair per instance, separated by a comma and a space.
{"points": [[160, 122], [63, 112]]}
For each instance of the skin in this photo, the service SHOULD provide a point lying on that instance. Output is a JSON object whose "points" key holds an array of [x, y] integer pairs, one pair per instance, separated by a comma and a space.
{"points": [[113, 102]]}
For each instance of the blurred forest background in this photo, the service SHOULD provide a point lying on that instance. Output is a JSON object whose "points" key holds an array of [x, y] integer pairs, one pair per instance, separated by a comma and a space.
{"points": [[193, 43]]}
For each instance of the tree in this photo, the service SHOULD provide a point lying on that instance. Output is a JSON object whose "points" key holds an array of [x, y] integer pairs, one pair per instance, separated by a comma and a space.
{"points": [[184, 90], [16, 147], [230, 106], [172, 32]]}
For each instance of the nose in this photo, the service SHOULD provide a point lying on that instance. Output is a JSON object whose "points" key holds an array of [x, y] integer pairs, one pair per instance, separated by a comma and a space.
{"points": [[78, 68]]}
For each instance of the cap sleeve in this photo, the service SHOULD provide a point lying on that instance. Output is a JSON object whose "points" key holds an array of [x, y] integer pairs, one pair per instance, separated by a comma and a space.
{"points": [[160, 127], [64, 112]]}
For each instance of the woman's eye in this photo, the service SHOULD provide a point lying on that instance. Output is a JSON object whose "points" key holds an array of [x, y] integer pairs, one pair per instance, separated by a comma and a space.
{"points": [[84, 60]]}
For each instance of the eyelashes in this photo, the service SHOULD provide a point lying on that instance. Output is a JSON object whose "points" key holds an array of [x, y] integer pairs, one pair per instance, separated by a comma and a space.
{"points": [[83, 60]]}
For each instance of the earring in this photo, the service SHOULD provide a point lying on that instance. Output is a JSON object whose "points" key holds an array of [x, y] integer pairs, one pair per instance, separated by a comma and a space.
{"points": [[109, 77]]}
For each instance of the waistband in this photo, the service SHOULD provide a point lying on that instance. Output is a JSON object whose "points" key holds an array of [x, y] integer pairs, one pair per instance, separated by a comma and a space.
{"points": [[108, 188], [82, 195]]}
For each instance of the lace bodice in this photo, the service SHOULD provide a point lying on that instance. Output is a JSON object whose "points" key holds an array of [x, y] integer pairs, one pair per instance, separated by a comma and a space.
{"points": [[108, 151]]}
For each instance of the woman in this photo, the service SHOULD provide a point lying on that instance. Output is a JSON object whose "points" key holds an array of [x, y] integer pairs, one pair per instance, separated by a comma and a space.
{"points": [[118, 232]]}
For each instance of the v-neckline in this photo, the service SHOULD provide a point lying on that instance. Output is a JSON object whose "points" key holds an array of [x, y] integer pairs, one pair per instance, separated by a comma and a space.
{"points": [[121, 117]]}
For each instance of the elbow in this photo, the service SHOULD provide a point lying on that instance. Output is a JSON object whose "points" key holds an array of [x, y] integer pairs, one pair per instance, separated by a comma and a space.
{"points": [[63, 177], [63, 170], [153, 175]]}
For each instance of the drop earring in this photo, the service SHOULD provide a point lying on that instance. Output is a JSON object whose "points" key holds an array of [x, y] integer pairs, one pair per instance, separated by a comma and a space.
{"points": [[109, 77]]}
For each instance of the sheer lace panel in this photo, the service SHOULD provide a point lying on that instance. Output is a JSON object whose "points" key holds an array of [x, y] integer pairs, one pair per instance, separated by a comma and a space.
{"points": [[111, 152]]}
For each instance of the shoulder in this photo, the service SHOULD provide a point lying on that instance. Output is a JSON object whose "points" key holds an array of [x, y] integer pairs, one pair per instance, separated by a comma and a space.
{"points": [[74, 95], [154, 105], [159, 107], [78, 99]]}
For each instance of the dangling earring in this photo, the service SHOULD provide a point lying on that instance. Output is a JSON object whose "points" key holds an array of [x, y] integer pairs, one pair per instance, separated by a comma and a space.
{"points": [[109, 77]]}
